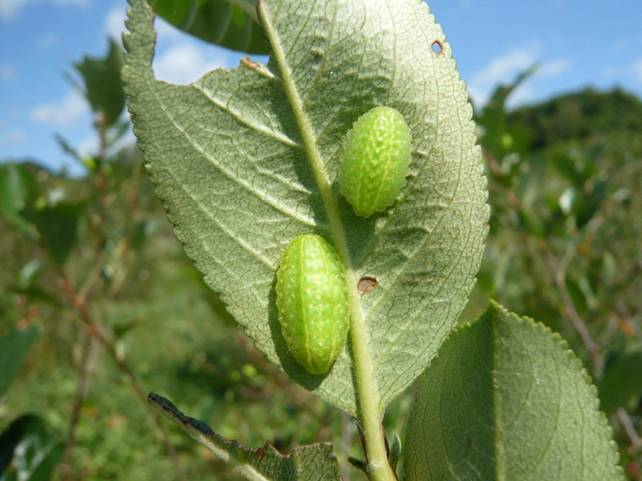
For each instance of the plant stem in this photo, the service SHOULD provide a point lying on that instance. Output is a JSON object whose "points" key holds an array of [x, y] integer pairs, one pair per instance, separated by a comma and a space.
{"points": [[580, 326], [368, 404], [347, 428], [627, 424], [367, 391], [558, 273], [125, 244], [85, 316], [81, 394]]}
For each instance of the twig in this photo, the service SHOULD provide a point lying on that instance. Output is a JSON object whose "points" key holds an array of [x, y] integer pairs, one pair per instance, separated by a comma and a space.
{"points": [[295, 395], [85, 316], [627, 424], [133, 200], [559, 278], [81, 394], [347, 428]]}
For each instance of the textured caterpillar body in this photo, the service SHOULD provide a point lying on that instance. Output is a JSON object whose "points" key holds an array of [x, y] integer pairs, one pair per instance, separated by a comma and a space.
{"points": [[312, 299], [374, 160]]}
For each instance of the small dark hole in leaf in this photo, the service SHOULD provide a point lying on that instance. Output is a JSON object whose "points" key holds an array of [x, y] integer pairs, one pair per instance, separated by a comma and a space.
{"points": [[366, 284], [437, 47]]}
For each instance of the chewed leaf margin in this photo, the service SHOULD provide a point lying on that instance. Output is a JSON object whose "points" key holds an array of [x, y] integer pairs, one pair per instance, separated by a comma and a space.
{"points": [[305, 463]]}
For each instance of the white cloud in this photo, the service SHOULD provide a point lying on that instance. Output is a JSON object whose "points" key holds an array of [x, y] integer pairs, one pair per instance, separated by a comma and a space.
{"points": [[46, 41], [165, 30], [465, 5], [621, 45], [184, 63], [12, 137], [115, 26], [553, 68], [69, 109], [178, 60], [6, 72], [611, 72], [521, 95], [637, 70], [88, 147], [9, 8], [501, 69], [504, 68], [115, 22]]}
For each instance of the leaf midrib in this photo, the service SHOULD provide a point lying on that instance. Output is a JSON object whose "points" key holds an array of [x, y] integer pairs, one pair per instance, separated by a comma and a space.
{"points": [[366, 388]]}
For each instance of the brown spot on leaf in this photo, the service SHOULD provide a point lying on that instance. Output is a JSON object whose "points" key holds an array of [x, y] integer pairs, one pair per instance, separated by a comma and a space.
{"points": [[366, 284]]}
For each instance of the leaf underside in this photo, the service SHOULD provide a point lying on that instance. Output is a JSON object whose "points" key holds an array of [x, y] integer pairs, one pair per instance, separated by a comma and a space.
{"points": [[305, 463], [507, 400], [228, 159]]}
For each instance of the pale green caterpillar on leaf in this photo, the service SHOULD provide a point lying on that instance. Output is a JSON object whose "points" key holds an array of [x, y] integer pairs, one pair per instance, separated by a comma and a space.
{"points": [[374, 160], [312, 300]]}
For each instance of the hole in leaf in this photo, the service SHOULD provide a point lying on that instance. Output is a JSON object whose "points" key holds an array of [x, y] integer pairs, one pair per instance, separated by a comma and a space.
{"points": [[437, 47], [366, 284]]}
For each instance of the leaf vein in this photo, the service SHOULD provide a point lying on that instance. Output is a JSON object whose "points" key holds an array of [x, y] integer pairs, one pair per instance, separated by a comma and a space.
{"points": [[262, 129]]}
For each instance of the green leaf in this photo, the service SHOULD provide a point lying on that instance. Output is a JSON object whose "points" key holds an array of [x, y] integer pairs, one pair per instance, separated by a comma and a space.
{"points": [[18, 189], [395, 452], [590, 202], [306, 463], [27, 284], [246, 159], [67, 148], [496, 108], [58, 228], [622, 381], [498, 138], [143, 231], [13, 350], [27, 451], [507, 400], [29, 273], [229, 23], [103, 84]]}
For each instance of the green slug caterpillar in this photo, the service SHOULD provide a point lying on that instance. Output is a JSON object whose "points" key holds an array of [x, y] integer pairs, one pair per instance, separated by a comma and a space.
{"points": [[374, 160], [312, 300]]}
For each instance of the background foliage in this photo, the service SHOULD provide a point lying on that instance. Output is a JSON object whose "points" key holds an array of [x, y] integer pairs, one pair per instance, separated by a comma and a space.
{"points": [[97, 300]]}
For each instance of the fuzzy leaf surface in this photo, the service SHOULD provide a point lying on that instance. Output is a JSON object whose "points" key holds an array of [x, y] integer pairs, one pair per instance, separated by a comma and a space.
{"points": [[240, 158], [506, 400]]}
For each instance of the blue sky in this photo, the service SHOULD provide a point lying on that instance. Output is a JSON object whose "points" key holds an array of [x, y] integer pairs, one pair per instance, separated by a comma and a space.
{"points": [[577, 43]]}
